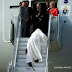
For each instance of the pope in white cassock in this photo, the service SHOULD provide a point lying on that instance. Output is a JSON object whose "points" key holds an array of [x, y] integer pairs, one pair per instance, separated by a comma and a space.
{"points": [[36, 43]]}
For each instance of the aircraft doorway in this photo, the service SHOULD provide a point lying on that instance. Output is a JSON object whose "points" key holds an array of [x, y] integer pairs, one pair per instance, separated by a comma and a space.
{"points": [[44, 23], [39, 17], [37, 21]]}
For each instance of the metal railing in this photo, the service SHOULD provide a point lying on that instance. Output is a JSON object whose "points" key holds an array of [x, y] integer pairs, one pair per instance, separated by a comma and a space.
{"points": [[48, 43], [58, 26], [49, 28], [16, 43], [59, 31]]}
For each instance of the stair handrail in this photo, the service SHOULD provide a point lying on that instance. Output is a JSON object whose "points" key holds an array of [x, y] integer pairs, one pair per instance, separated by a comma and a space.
{"points": [[58, 25], [16, 42], [59, 30], [48, 43]]}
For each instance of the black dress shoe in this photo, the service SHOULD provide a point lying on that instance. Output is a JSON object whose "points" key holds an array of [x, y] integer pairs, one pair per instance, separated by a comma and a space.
{"points": [[36, 60], [30, 64], [26, 51]]}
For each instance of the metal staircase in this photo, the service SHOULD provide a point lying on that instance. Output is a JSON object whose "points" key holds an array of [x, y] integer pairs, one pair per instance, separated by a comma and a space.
{"points": [[21, 65], [18, 63]]}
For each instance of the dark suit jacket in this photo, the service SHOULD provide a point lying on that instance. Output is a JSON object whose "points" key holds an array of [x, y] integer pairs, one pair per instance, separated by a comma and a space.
{"points": [[30, 12], [24, 13], [36, 18]]}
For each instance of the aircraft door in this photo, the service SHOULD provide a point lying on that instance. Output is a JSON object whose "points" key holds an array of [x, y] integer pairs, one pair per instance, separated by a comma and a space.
{"points": [[8, 14]]}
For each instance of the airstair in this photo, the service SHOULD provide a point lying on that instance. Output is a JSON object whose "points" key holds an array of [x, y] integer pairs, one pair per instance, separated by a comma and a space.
{"points": [[18, 63], [21, 65]]}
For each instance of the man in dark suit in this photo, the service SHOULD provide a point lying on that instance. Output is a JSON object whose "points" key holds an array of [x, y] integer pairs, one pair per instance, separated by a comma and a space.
{"points": [[29, 23], [38, 18], [47, 8], [24, 18], [47, 16]]}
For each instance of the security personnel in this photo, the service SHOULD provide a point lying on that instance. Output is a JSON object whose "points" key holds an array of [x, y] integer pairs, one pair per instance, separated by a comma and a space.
{"points": [[38, 18], [24, 18], [29, 23], [47, 16]]}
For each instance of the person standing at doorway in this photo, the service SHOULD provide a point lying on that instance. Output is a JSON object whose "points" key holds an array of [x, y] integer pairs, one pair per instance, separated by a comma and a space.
{"points": [[47, 9], [24, 18], [53, 11], [38, 18], [47, 16], [47, 6], [29, 23]]}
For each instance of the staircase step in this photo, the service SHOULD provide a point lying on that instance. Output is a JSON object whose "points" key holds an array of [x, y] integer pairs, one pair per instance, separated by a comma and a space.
{"points": [[24, 60], [24, 56], [24, 39], [30, 69], [25, 65], [22, 48], [21, 53], [22, 44], [21, 56], [44, 56], [21, 60], [44, 52]]}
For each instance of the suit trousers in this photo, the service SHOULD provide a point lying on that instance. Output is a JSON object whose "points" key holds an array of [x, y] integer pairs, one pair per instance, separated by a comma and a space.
{"points": [[23, 28]]}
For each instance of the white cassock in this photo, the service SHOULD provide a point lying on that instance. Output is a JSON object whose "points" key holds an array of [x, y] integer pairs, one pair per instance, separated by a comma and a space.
{"points": [[36, 43]]}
